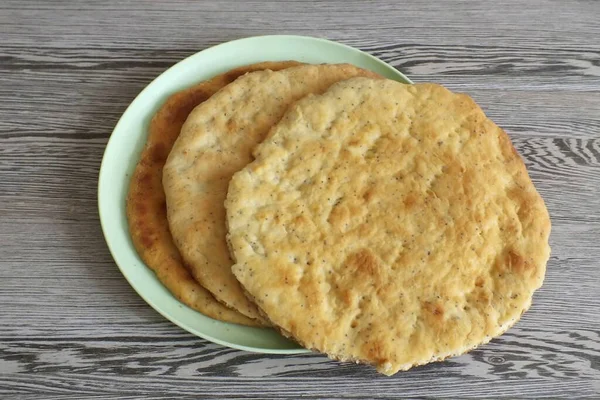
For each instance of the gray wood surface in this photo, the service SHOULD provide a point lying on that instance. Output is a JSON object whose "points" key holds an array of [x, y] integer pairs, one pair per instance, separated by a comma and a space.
{"points": [[70, 325]]}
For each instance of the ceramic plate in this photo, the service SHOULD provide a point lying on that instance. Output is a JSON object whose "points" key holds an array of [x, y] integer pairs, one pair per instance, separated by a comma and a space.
{"points": [[129, 136]]}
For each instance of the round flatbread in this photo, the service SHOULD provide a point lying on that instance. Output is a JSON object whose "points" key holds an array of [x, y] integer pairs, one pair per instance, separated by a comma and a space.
{"points": [[215, 142], [146, 210], [389, 224]]}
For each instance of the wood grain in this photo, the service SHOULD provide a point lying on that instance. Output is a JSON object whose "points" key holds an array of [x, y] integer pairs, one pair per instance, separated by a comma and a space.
{"points": [[71, 326]]}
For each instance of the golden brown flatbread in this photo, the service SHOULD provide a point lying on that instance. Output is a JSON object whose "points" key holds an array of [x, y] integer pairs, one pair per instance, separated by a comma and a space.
{"points": [[146, 209], [389, 224], [215, 142]]}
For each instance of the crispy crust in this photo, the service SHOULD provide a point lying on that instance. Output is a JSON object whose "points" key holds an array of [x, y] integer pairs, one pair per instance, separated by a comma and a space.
{"points": [[388, 224], [215, 142], [146, 209]]}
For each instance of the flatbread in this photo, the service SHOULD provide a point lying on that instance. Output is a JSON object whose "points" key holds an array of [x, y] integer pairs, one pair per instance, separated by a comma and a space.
{"points": [[388, 224], [215, 142], [146, 210]]}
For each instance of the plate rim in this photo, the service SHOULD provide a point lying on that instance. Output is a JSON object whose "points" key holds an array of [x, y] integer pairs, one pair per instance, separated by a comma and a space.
{"points": [[102, 172]]}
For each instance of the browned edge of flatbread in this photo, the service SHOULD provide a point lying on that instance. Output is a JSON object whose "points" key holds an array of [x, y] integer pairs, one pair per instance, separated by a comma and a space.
{"points": [[146, 204]]}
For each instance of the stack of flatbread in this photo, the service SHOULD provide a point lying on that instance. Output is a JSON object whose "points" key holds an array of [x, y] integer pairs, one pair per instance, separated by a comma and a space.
{"points": [[373, 221]]}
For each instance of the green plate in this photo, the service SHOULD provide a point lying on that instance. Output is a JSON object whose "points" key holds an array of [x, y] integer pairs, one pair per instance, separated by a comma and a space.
{"points": [[129, 136]]}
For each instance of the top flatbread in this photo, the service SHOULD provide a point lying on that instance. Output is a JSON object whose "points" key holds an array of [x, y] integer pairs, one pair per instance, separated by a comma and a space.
{"points": [[146, 210], [215, 142], [389, 224]]}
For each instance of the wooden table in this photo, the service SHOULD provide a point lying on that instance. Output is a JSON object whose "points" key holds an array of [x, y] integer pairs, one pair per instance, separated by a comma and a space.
{"points": [[70, 325]]}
